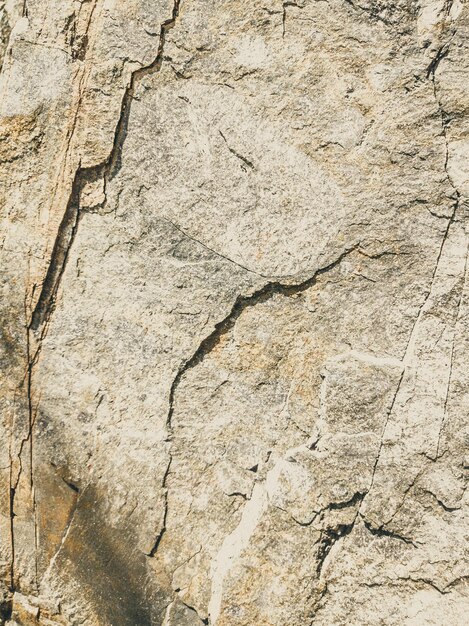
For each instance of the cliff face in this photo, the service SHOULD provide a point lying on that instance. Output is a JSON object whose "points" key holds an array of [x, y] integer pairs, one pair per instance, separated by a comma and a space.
{"points": [[234, 312]]}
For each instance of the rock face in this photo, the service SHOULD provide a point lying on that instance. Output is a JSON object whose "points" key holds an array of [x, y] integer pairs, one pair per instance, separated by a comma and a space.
{"points": [[234, 313]]}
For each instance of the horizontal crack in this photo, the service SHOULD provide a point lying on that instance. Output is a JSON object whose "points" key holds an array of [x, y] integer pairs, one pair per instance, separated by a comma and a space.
{"points": [[383, 532], [332, 506], [241, 303], [265, 293], [204, 245]]}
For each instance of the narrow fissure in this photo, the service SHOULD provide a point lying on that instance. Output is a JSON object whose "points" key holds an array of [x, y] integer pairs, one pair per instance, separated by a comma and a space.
{"points": [[383, 532], [328, 538], [60, 253], [268, 291], [103, 171]]}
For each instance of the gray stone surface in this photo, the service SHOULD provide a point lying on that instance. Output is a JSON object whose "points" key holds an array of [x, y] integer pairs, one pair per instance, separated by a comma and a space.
{"points": [[234, 312]]}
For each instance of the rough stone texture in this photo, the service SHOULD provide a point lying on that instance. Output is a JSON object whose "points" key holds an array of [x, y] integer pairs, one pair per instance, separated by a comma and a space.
{"points": [[234, 312]]}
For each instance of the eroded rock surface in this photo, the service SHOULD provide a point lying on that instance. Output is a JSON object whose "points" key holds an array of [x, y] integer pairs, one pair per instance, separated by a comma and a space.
{"points": [[234, 312]]}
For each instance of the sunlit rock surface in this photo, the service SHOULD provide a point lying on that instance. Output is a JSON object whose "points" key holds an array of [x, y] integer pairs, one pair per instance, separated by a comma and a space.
{"points": [[234, 312]]}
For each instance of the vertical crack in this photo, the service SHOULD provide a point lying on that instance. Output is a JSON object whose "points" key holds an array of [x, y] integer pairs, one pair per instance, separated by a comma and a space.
{"points": [[450, 377], [31, 421], [431, 69], [328, 540], [288, 3], [441, 53], [14, 483], [331, 536], [12, 533], [164, 487], [242, 302], [105, 171], [65, 237]]}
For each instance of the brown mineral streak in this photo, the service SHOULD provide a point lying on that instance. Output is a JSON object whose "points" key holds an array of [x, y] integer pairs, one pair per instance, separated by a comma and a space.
{"points": [[67, 229], [69, 222]]}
